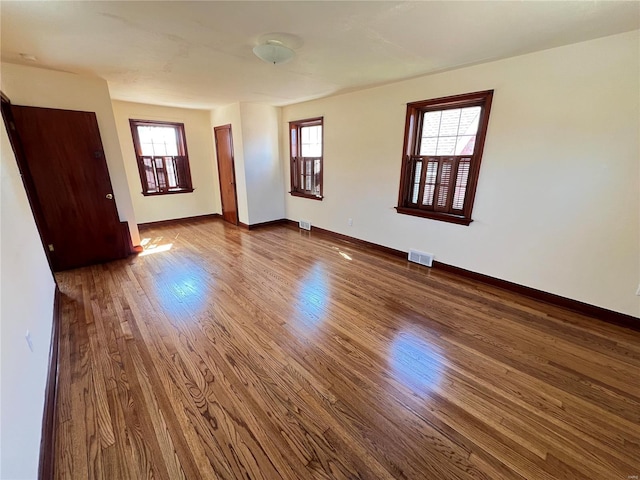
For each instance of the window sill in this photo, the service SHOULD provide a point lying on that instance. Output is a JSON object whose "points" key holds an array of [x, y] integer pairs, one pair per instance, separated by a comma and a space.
{"points": [[169, 192], [306, 195], [444, 217]]}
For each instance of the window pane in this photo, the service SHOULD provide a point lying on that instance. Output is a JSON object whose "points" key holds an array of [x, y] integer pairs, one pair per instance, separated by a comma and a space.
{"points": [[147, 149], [465, 144], [469, 120], [160, 172], [461, 183], [170, 141], [415, 192], [431, 124], [432, 172], [159, 149], [416, 182], [301, 164], [316, 177], [158, 141], [308, 175], [145, 141], [446, 145], [427, 198], [445, 180], [450, 121], [171, 173], [311, 141], [430, 183], [418, 172], [450, 132], [428, 146], [149, 175]]}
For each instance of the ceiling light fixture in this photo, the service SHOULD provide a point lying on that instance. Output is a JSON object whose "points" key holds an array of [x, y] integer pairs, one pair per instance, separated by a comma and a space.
{"points": [[273, 51]]}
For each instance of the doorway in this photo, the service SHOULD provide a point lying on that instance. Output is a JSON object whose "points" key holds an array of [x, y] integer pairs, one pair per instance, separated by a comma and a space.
{"points": [[64, 171], [226, 173]]}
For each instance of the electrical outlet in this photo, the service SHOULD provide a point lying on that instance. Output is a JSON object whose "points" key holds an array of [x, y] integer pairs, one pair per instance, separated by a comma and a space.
{"points": [[350, 222], [638, 291], [28, 339]]}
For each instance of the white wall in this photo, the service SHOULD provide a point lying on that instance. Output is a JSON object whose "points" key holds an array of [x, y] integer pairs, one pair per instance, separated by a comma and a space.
{"points": [[26, 303], [265, 187], [558, 200], [257, 159], [230, 115], [205, 197], [38, 87]]}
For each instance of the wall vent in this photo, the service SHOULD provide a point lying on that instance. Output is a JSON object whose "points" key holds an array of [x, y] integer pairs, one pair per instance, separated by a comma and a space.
{"points": [[422, 258], [305, 224]]}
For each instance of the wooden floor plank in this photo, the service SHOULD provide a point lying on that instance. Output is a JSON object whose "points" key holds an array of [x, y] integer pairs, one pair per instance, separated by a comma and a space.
{"points": [[277, 353]]}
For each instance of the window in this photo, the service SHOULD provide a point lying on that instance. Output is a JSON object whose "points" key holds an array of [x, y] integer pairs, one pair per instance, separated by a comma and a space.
{"points": [[443, 146], [163, 161], [306, 158]]}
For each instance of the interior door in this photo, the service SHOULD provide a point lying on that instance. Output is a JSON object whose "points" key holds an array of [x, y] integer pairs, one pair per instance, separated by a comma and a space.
{"points": [[226, 173], [63, 157]]}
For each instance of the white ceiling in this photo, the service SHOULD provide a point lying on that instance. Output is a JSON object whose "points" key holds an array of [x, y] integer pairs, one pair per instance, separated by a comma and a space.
{"points": [[199, 54]]}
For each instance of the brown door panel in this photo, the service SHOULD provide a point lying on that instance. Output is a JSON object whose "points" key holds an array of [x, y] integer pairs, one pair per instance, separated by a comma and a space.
{"points": [[65, 159], [226, 173]]}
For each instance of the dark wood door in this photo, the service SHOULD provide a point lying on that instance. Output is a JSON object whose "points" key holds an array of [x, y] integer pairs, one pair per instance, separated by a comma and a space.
{"points": [[226, 173], [64, 158]]}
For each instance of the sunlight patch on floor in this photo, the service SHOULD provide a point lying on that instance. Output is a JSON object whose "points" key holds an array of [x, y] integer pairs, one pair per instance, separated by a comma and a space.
{"points": [[154, 246], [414, 362]]}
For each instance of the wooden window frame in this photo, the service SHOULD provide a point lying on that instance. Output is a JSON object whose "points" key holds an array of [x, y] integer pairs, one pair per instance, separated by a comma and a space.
{"points": [[410, 156], [180, 161], [297, 160]]}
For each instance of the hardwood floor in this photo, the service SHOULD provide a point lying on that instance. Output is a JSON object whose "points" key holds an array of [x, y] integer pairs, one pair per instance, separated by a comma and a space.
{"points": [[275, 353]]}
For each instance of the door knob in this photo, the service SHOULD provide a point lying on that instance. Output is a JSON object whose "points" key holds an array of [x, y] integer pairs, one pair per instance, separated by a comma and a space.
{"points": [[109, 196]]}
